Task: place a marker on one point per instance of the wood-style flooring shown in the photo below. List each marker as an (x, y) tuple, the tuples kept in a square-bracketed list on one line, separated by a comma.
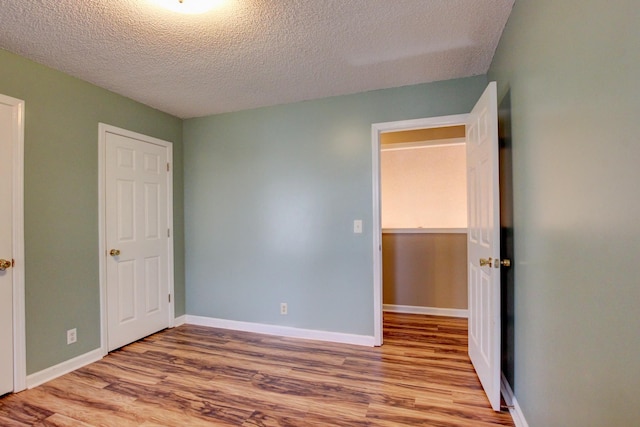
[(198, 376)]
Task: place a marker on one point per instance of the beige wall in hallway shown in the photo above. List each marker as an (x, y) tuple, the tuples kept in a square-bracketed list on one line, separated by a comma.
[(425, 269), (424, 187)]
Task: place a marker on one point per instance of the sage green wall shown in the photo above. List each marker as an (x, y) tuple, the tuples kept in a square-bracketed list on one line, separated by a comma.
[(270, 198), (61, 201), (573, 67)]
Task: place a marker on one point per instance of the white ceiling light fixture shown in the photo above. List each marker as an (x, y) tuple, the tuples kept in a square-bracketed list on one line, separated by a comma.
[(189, 7)]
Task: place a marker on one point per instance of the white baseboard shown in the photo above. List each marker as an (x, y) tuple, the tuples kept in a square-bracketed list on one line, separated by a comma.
[(65, 367), (433, 311), (181, 320), (284, 331), (510, 399)]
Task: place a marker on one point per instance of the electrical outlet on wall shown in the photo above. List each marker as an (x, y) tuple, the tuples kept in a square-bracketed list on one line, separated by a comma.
[(72, 336), (283, 308)]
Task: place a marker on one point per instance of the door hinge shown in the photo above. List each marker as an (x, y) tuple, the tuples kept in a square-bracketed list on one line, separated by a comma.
[(167, 167), (169, 298), (168, 232)]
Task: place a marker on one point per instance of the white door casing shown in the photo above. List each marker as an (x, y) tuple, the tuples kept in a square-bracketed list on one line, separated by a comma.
[(483, 242), (376, 130), (484, 314), (12, 338), (6, 249), (137, 205)]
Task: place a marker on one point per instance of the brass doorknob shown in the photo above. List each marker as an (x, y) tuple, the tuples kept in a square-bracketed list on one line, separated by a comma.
[(4, 264), (502, 263), (484, 262), (114, 252)]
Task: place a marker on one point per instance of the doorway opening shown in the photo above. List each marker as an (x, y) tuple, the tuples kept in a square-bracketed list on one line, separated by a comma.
[(424, 221), (398, 139), (483, 235)]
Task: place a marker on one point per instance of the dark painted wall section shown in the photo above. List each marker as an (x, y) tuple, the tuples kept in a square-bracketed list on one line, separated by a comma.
[(507, 248)]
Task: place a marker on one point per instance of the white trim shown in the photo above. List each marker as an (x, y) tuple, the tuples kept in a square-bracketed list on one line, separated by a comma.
[(18, 271), (283, 331), (103, 129), (435, 143), (512, 403), (376, 130), (65, 367), (179, 321), (424, 231), (170, 259), (102, 268), (433, 311), (425, 123), (19, 316), (377, 236)]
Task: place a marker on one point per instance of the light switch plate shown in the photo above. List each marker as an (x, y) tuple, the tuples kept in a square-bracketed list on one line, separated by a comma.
[(357, 226)]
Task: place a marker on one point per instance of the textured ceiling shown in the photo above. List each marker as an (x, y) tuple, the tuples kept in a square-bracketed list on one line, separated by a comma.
[(253, 53)]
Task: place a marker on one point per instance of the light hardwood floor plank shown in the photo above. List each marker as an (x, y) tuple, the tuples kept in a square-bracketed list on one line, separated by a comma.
[(199, 376)]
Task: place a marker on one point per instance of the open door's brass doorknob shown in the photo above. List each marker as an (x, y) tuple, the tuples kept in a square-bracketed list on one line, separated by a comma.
[(495, 262), (487, 262), (504, 262), (114, 252), (4, 264)]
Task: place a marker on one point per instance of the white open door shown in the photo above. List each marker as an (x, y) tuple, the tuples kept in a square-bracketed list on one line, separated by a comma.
[(483, 244), (6, 247), (137, 236), (12, 348)]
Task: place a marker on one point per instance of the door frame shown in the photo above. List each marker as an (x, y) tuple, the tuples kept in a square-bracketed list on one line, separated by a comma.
[(376, 130), (19, 321), (103, 130)]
